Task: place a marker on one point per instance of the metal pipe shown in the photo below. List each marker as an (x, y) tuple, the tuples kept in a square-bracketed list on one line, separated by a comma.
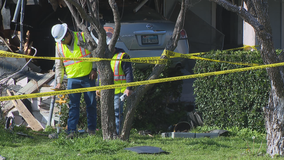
[(17, 10), (21, 26), (52, 103), (58, 127)]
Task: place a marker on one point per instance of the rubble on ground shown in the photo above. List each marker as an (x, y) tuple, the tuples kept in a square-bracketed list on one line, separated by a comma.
[(20, 76)]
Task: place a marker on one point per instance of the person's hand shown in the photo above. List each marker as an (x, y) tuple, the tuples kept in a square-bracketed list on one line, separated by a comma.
[(128, 92), (58, 86), (98, 93), (93, 75)]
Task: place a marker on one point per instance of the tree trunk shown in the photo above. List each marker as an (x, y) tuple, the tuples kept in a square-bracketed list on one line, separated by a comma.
[(274, 112), (274, 124), (257, 16), (106, 100), (99, 50)]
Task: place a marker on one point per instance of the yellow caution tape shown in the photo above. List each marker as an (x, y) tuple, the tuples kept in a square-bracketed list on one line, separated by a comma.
[(34, 95), (172, 54), (138, 60), (149, 60), (201, 53), (213, 60)]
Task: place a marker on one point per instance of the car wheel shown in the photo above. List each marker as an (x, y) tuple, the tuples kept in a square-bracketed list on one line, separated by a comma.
[(191, 118), (199, 119)]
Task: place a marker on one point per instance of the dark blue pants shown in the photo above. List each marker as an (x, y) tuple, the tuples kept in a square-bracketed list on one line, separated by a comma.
[(90, 99)]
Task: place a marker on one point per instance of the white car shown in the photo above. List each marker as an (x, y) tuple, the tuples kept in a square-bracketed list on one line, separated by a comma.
[(144, 33)]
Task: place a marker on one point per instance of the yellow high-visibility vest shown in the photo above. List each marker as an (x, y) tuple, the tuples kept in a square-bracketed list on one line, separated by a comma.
[(75, 69), (118, 74)]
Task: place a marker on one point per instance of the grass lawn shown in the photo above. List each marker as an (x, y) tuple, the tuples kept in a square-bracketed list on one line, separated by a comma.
[(239, 144)]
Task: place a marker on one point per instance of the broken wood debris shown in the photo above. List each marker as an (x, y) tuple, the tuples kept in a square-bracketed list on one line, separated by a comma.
[(26, 114), (31, 87), (35, 113)]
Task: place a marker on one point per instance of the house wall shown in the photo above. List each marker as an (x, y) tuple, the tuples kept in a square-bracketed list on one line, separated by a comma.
[(202, 8), (282, 24), (276, 19), (244, 33), (248, 34), (217, 17), (275, 8)]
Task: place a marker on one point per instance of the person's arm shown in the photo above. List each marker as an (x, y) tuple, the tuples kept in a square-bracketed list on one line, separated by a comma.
[(127, 69), (59, 70)]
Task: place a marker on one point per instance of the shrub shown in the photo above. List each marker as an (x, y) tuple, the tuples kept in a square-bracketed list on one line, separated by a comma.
[(234, 99)]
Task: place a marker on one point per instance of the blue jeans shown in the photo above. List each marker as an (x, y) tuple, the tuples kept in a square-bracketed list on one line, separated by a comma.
[(74, 105), (118, 110)]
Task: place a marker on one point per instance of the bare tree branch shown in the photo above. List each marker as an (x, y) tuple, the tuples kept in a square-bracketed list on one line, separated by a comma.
[(90, 46), (262, 12), (117, 24)]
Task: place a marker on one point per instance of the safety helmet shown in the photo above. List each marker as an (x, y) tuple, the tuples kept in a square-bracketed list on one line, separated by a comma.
[(58, 31)]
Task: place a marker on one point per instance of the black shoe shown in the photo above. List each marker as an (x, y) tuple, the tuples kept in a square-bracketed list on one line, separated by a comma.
[(91, 132)]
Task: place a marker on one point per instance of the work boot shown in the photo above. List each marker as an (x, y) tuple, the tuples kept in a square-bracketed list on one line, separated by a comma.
[(71, 135), (91, 132)]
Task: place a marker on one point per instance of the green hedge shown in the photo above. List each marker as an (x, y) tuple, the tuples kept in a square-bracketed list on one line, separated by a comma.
[(234, 99)]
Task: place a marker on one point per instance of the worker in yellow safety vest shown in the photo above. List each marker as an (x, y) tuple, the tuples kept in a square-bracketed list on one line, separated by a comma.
[(80, 74), (122, 72)]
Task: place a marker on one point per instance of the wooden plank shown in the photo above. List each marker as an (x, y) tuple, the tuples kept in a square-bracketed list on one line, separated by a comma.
[(33, 86), (29, 88), (26, 114)]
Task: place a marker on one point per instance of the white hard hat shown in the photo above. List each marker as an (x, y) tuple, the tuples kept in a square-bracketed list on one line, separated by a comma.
[(58, 31)]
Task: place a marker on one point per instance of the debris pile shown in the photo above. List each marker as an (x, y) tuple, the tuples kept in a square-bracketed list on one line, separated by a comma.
[(23, 76), (34, 112)]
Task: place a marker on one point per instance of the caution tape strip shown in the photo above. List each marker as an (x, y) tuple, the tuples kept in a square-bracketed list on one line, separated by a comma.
[(172, 54), (137, 60), (213, 60), (148, 60), (34, 95)]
